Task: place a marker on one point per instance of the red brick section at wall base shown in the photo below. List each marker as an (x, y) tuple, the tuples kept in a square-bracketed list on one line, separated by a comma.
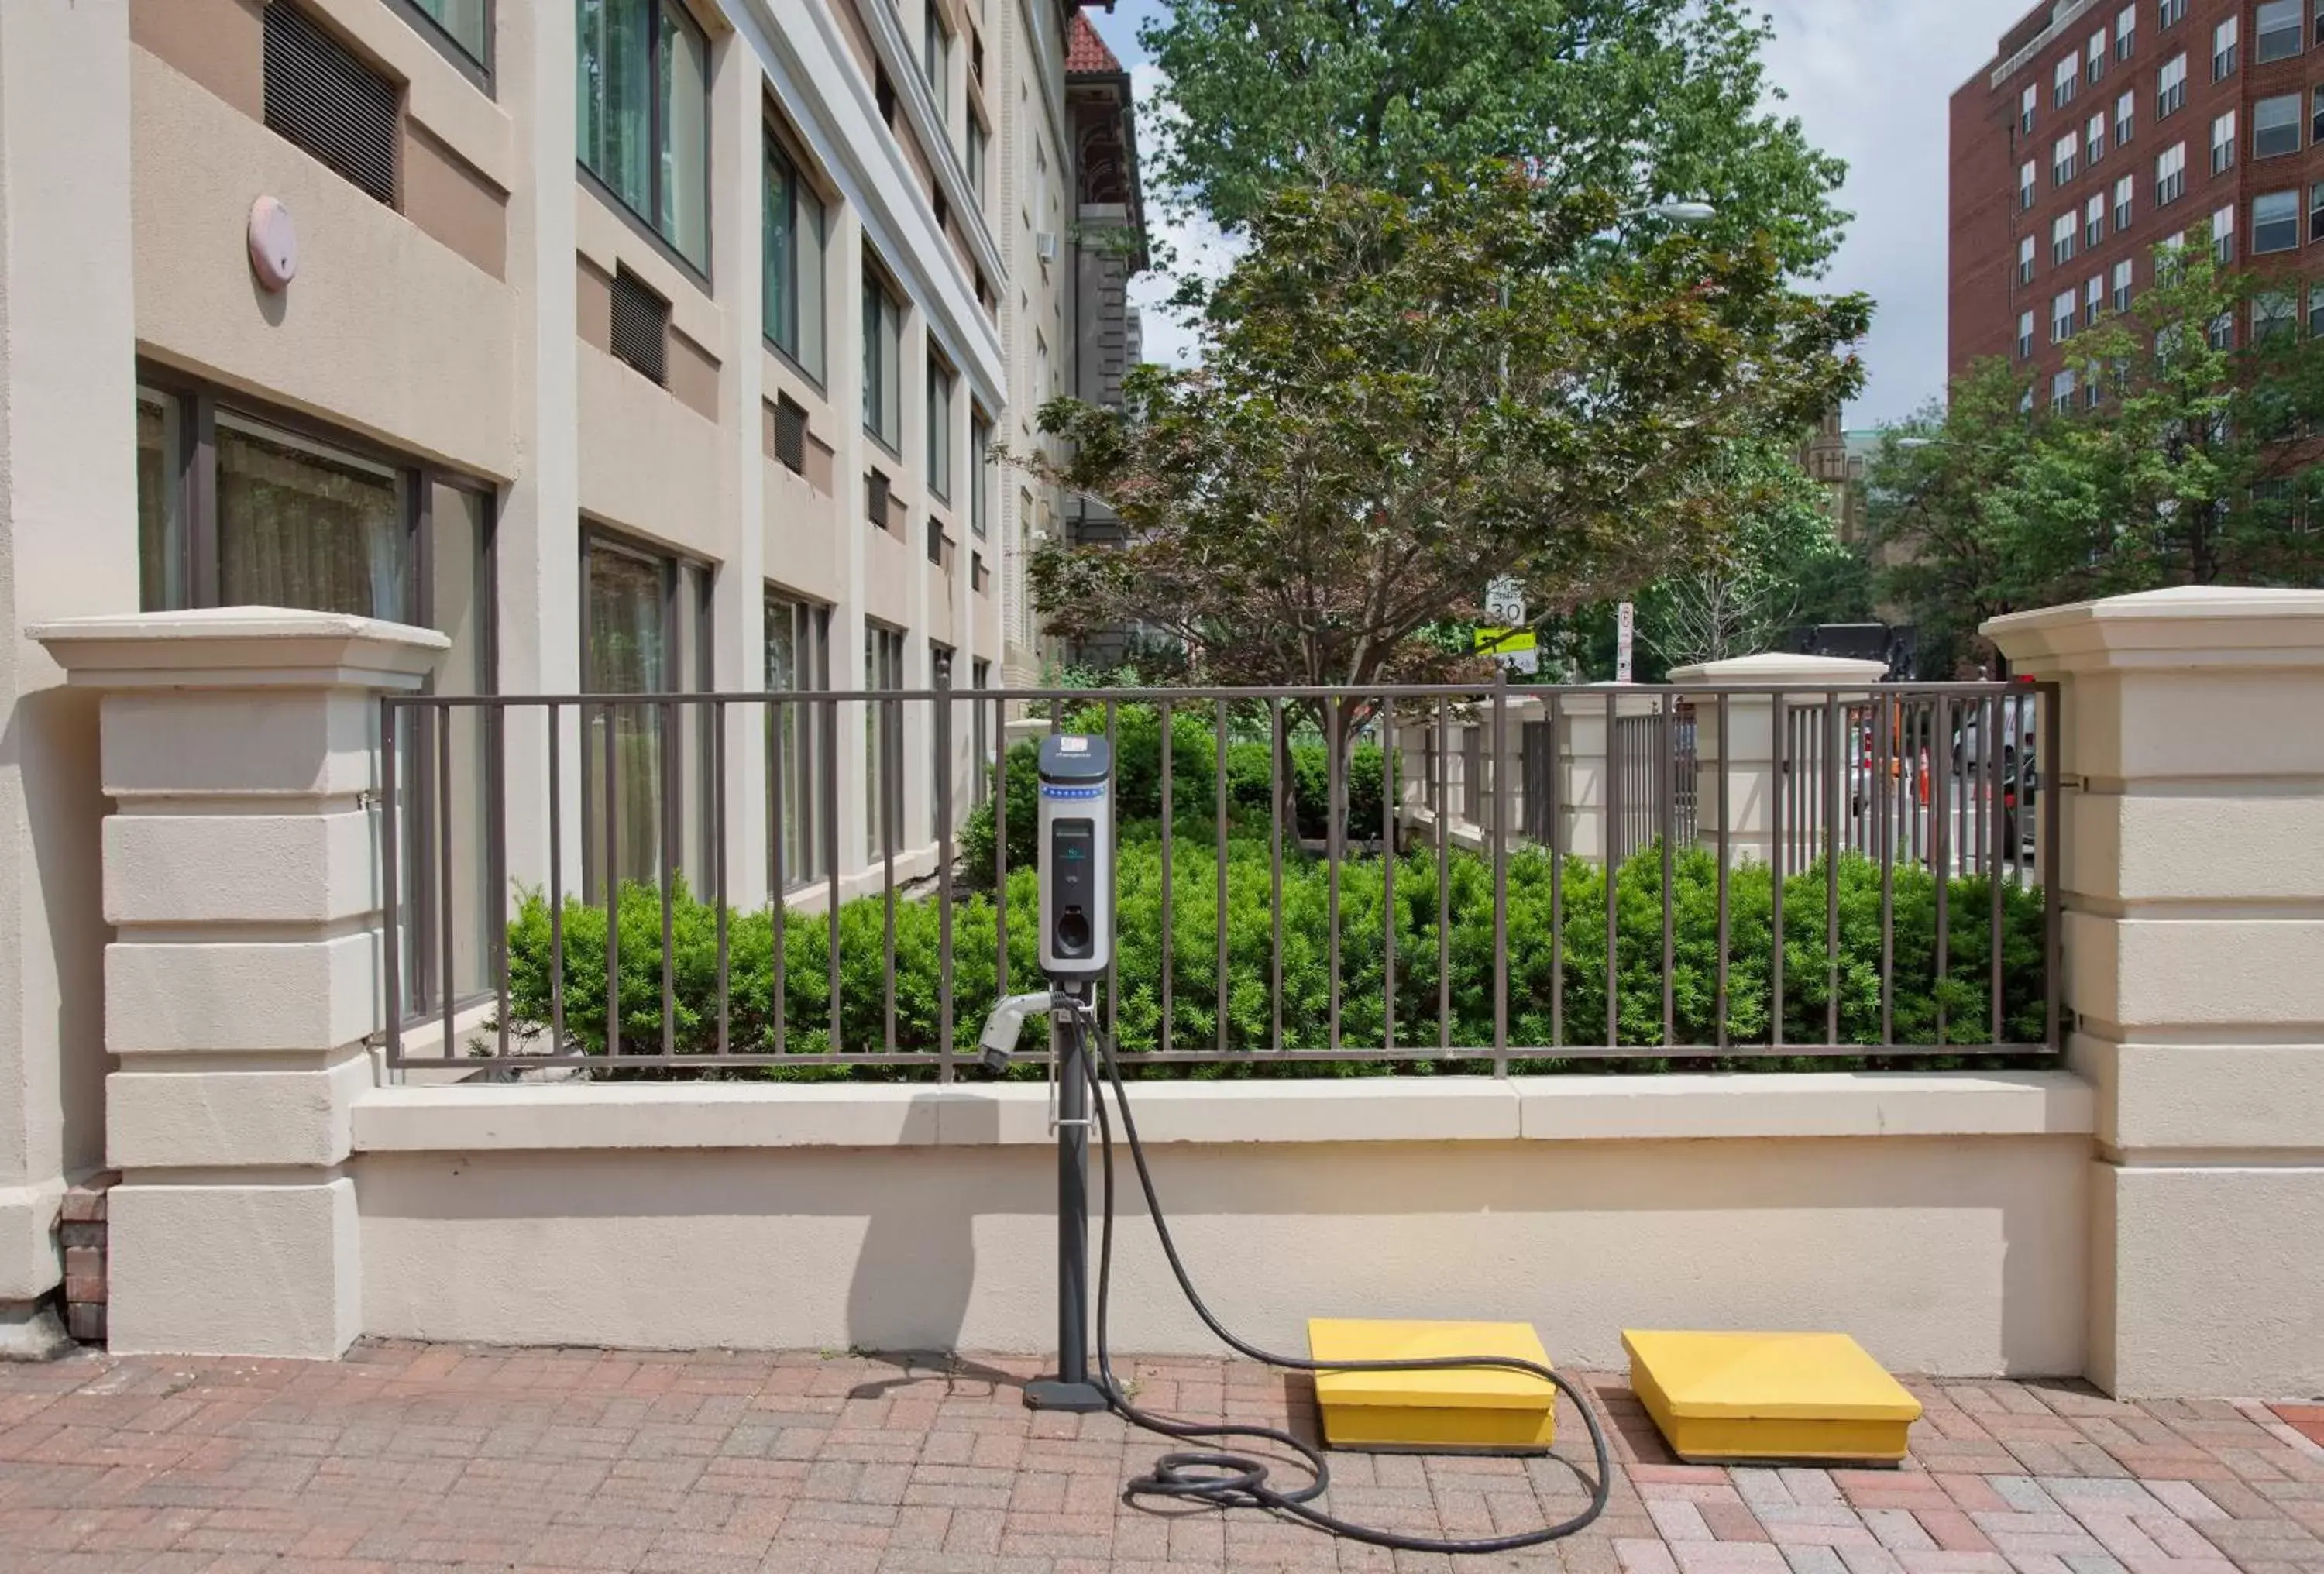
[(415, 1457), (81, 1232)]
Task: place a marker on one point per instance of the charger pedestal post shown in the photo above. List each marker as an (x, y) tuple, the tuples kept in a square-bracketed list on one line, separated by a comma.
[(1076, 841)]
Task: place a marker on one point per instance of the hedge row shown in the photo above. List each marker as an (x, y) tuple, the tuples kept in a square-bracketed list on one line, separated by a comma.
[(1193, 783), (1533, 973)]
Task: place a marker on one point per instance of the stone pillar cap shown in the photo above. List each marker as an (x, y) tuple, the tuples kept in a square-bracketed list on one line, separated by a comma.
[(240, 647), (2188, 625), (1784, 667)]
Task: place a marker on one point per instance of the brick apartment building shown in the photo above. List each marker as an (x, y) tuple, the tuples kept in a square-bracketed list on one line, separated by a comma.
[(2103, 128)]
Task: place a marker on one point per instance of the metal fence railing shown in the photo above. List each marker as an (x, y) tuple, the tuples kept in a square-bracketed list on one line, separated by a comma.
[(735, 883)]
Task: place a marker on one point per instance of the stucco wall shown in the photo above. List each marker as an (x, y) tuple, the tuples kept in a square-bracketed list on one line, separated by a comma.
[(924, 1218)]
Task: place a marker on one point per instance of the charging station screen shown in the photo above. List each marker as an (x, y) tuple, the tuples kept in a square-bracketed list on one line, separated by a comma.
[(1072, 844)]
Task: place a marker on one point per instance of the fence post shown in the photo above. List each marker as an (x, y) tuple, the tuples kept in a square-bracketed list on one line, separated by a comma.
[(2191, 843), (243, 877), (1747, 753)]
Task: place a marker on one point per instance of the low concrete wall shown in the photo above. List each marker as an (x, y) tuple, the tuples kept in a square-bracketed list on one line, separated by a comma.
[(1941, 1219)]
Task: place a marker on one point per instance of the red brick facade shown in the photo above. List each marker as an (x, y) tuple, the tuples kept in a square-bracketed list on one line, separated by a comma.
[(1990, 221)]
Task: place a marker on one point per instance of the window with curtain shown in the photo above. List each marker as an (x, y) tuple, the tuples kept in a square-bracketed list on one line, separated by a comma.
[(883, 734), (883, 326), (645, 630), (466, 23), (793, 259), (940, 384), (798, 661), (270, 511), (642, 99)]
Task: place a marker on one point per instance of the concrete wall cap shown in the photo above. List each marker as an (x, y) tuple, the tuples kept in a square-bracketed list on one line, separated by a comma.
[(2187, 625), (1782, 667), (240, 647), (532, 1116)]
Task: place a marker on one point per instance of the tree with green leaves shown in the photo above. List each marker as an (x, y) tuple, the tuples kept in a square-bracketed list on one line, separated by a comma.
[(2176, 452), (1402, 398), (1660, 98)]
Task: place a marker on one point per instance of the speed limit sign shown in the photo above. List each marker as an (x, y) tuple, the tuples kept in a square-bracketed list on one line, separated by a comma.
[(1505, 602)]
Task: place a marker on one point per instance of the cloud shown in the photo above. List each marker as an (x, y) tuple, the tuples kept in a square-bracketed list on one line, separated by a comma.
[(1871, 80)]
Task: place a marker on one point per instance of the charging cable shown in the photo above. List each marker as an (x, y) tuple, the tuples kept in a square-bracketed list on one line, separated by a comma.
[(1233, 1480)]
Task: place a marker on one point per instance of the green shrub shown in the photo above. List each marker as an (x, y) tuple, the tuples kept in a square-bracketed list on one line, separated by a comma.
[(1555, 991), (1193, 783)]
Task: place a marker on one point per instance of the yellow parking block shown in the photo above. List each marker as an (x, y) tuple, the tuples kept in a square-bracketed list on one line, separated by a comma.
[(1454, 1410), (1722, 1398)]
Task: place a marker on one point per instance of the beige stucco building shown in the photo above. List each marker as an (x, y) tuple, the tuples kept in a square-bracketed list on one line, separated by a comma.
[(633, 345)]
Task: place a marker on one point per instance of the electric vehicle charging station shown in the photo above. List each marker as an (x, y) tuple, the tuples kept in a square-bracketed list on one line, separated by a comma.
[(1394, 1385)]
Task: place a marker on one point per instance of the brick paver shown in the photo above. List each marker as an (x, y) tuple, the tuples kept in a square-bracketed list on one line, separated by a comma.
[(415, 1457)]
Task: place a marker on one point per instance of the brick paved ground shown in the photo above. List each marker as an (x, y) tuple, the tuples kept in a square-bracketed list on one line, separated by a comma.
[(407, 1457)]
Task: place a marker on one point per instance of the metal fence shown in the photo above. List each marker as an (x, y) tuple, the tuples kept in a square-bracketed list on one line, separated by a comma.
[(1322, 902)]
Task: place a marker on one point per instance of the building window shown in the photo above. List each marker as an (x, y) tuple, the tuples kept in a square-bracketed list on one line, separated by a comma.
[(798, 661), (940, 386), (645, 629), (2061, 390), (2276, 30), (2275, 126), (2223, 143), (643, 97), (2170, 174), (2024, 336), (321, 97), (2222, 333), (977, 139), (2093, 301), (2062, 239), (2026, 101), (2125, 32), (2316, 311), (2275, 314), (979, 442), (2121, 297), (464, 24), (2094, 139), (2061, 317), (884, 737), (2223, 236), (2168, 13), (2171, 90), (2061, 161), (2224, 39), (241, 507), (2094, 223), (935, 60), (2123, 191), (2026, 257), (883, 323), (2094, 56), (2025, 185), (2171, 261), (2126, 117), (2275, 222), (793, 259), (2316, 213), (2062, 82)]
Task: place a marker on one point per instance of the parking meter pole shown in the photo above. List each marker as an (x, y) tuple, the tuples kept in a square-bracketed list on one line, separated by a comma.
[(1071, 1389)]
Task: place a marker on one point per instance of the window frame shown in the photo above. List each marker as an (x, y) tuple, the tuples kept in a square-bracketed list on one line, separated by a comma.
[(2126, 116), (2223, 141), (2295, 124), (2065, 230), (2285, 323), (2065, 80), (674, 567), (2121, 281), (2126, 193), (2065, 160), (2028, 249), (889, 395), (2125, 32), (2025, 334), (2170, 95), (2170, 188), (194, 467), (817, 814), (2094, 220), (779, 150), (644, 225), (479, 70), (2094, 139), (940, 460), (2227, 45), (2261, 33), (2292, 195), (2062, 323), (2028, 180)]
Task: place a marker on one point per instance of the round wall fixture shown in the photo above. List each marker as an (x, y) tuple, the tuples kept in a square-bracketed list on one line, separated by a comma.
[(274, 243)]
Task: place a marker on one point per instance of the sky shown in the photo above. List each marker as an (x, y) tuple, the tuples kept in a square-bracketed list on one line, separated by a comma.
[(1869, 81)]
